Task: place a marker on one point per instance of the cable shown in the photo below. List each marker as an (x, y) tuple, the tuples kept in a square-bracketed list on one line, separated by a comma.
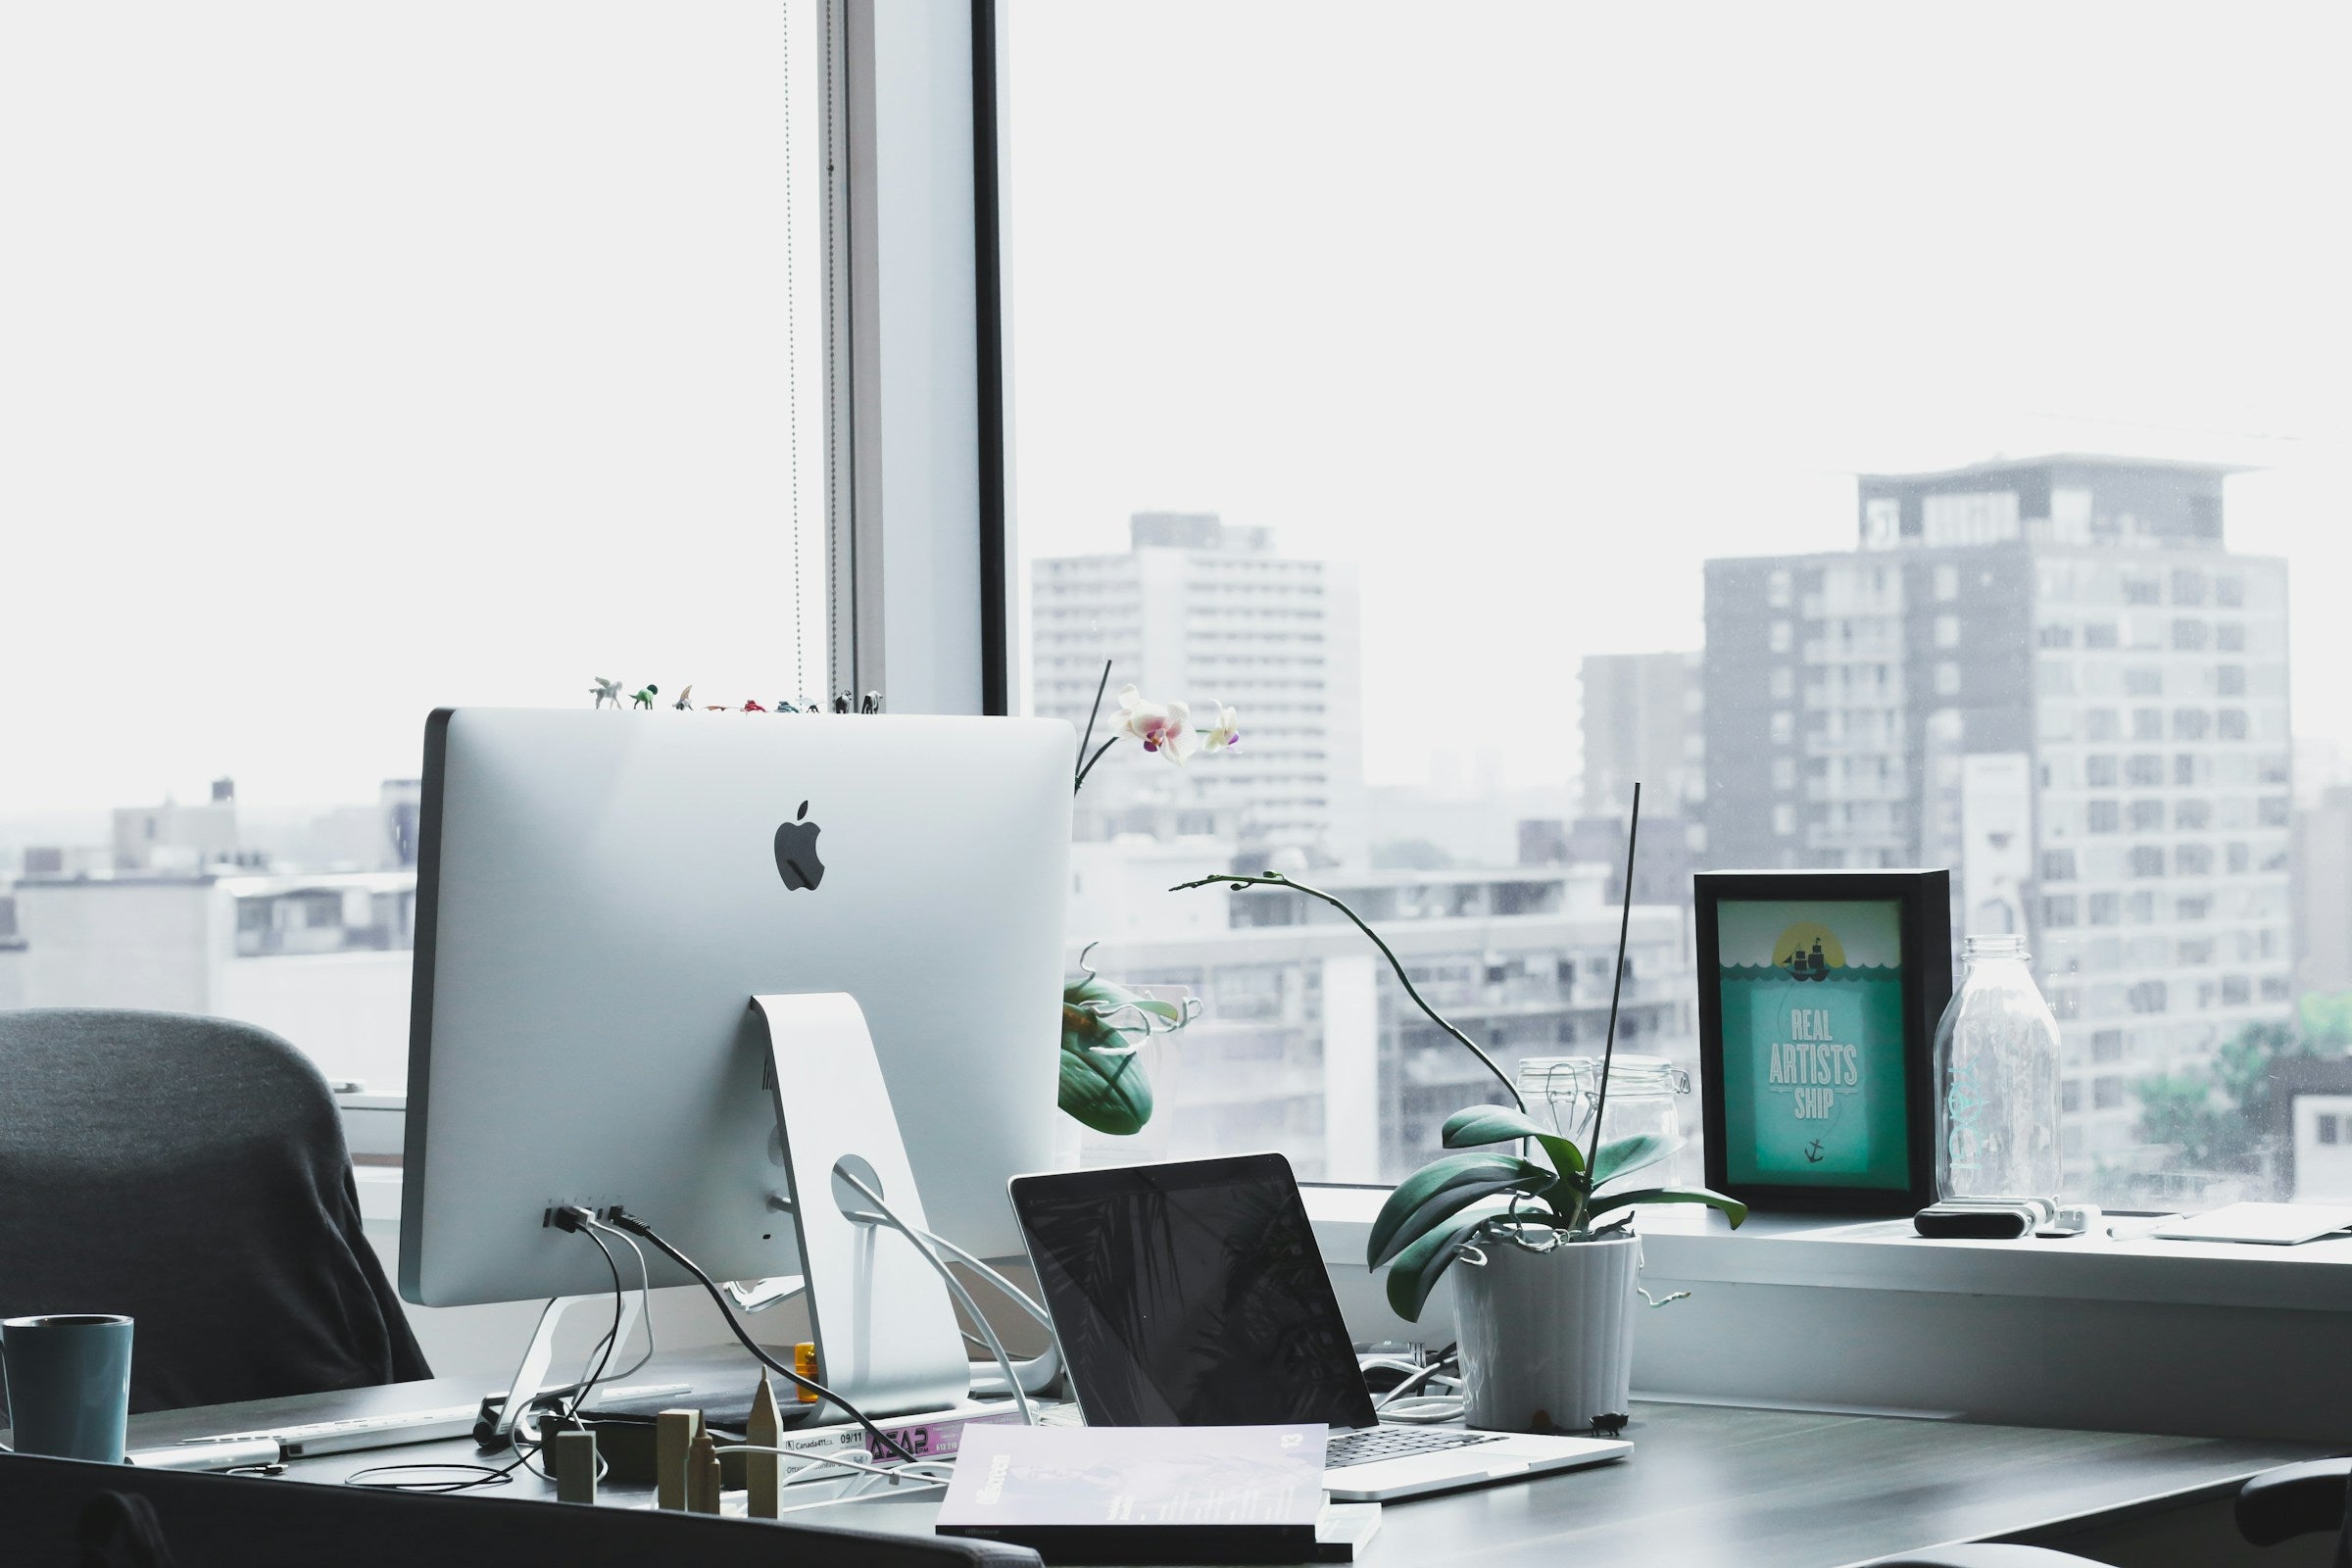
[(1021, 1396), (1014, 1292), (482, 1475), (637, 1226), (645, 1302)]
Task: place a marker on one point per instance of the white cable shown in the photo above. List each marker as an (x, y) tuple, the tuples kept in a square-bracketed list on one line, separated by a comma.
[(809, 1461), (995, 1345), (1012, 1291), (645, 1298)]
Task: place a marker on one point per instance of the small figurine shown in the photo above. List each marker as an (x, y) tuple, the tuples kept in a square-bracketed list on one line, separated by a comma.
[(604, 691), (750, 707), (840, 702), (871, 703), (685, 702), (644, 699), (783, 706)]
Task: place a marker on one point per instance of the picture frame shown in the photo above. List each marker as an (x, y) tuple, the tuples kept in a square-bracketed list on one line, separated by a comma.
[(1817, 1063)]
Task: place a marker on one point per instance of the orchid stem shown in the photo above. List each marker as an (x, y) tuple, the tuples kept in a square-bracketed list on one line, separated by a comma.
[(1608, 1051), (1088, 739), (1092, 760), (1237, 880)]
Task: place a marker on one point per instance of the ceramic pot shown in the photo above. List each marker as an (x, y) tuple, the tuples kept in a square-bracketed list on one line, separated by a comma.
[(1546, 1337)]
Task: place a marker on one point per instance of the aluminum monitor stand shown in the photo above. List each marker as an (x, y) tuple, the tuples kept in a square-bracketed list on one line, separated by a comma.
[(884, 1329)]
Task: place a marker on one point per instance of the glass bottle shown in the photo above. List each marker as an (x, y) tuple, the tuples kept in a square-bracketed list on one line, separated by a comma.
[(1997, 1079), (1645, 1097)]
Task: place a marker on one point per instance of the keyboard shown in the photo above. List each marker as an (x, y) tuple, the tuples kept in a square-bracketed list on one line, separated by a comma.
[(400, 1426), (1396, 1442)]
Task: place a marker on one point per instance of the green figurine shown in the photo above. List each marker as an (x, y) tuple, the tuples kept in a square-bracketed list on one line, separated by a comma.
[(644, 699)]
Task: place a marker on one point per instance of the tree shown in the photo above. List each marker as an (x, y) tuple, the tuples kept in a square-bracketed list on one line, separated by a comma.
[(2221, 1118)]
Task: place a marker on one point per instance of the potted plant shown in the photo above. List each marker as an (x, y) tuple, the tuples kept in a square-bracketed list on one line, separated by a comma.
[(1542, 1227)]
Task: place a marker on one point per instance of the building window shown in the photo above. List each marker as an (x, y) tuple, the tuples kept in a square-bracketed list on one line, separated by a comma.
[(2229, 591), (1781, 637), (2147, 861), (1948, 631), (2324, 1124), (2148, 723), (1777, 588), (1784, 820), (1947, 584), (2058, 909), (2107, 1093), (2106, 1045), (2103, 816), (2057, 865), (2189, 636), (2101, 724), (2103, 910), (2098, 770), (2231, 724), (1947, 678)]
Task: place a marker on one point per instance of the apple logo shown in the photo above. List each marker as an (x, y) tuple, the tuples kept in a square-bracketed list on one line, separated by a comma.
[(796, 852)]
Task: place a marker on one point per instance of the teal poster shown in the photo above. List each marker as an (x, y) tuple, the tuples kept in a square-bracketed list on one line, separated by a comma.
[(1813, 1042)]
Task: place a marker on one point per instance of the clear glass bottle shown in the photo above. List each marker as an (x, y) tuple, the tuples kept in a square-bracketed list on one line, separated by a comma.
[(1645, 1097), (1997, 1079)]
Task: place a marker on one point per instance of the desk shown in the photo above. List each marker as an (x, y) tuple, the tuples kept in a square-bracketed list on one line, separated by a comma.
[(1706, 1484)]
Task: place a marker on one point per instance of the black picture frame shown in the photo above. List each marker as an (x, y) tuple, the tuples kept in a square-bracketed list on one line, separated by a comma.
[(1924, 920)]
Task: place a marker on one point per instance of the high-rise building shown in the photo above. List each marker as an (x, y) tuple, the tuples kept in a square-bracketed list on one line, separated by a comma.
[(1643, 722), (2323, 862), (2054, 677), (1202, 611)]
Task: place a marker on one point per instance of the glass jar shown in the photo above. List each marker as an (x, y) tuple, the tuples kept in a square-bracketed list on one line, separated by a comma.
[(1645, 1097), (1997, 1079)]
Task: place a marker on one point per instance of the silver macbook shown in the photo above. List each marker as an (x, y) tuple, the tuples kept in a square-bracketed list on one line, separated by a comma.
[(1191, 1293)]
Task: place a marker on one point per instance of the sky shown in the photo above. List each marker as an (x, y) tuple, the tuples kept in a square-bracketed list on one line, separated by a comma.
[(364, 359), (1530, 309), (361, 359)]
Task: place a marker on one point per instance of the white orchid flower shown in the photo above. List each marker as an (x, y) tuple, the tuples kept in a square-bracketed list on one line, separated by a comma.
[(1227, 730), (1163, 727)]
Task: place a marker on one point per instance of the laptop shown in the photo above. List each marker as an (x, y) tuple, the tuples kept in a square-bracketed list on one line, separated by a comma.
[(1192, 1293)]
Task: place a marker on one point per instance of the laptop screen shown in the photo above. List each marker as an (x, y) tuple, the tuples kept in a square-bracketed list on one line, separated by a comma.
[(1191, 1295)]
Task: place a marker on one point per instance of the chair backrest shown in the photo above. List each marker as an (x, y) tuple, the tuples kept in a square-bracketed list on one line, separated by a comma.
[(190, 1172), (61, 1513)]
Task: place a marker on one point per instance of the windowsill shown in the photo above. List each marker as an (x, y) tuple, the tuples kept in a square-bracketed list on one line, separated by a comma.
[(1688, 1244)]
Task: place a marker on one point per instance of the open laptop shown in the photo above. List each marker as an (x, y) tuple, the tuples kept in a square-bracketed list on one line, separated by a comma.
[(1192, 1293)]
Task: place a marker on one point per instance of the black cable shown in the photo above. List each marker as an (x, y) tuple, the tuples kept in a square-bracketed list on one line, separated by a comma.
[(637, 1226), (484, 1475)]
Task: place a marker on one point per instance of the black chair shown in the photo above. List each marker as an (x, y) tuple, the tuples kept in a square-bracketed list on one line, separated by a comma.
[(2277, 1505), (64, 1513), (190, 1172)]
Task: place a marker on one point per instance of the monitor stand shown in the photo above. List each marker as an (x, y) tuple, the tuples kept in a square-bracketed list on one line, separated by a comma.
[(884, 1329)]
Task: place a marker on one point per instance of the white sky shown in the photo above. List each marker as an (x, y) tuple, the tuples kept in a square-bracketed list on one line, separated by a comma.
[(354, 359), (1530, 308)]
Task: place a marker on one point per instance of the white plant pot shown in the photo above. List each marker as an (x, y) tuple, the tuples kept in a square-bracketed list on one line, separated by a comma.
[(1547, 1337)]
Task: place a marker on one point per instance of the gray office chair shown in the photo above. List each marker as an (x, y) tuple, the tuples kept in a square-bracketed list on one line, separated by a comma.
[(2277, 1505), (191, 1173)]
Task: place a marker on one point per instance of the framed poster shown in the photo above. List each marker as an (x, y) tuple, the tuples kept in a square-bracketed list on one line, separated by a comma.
[(1818, 997)]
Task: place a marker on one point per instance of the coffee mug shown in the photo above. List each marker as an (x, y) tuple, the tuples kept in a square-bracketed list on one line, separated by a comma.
[(68, 1384)]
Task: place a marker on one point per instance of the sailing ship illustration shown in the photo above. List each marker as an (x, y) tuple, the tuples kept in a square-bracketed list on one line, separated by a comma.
[(1803, 966)]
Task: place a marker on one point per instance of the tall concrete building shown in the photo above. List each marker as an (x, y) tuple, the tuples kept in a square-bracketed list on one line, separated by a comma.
[(2323, 862), (1643, 722), (2053, 676), (1198, 610)]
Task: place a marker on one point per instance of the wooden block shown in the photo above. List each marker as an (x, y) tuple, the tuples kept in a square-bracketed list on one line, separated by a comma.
[(762, 1472), (575, 1466), (701, 1475), (674, 1432)]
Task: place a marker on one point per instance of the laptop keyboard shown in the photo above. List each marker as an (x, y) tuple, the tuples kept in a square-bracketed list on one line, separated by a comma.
[(1395, 1442)]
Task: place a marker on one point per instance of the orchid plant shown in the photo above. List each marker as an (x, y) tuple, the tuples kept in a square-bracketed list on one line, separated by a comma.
[(1483, 1197), (1105, 1026)]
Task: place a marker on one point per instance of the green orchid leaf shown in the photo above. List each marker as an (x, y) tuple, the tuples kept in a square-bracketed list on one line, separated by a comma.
[(1116, 1003), (1443, 1187), (1474, 1125), (1106, 1091), (1731, 1208), (1630, 1153), (1418, 1268)]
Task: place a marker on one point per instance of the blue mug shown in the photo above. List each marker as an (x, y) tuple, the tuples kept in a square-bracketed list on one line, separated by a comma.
[(68, 1384)]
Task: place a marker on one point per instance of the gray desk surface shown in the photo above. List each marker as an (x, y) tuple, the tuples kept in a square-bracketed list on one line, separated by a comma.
[(1705, 1484)]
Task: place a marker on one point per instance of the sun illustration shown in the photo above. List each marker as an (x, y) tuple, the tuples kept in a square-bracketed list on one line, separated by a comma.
[(1798, 942)]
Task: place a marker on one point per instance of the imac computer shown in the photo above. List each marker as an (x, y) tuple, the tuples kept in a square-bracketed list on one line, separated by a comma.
[(601, 894)]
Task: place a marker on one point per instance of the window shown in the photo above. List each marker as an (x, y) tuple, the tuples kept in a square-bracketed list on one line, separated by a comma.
[(1198, 395), (361, 360)]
